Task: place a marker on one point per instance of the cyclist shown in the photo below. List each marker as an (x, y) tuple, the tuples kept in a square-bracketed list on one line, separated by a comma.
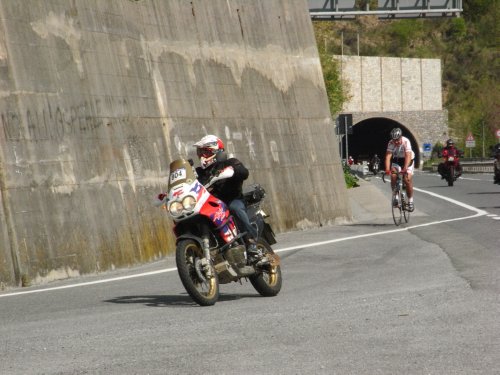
[(399, 159)]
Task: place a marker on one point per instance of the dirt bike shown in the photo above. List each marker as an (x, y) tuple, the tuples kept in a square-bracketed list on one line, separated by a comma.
[(210, 249), (450, 168)]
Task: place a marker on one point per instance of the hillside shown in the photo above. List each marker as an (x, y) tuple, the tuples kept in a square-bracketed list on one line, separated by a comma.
[(467, 47)]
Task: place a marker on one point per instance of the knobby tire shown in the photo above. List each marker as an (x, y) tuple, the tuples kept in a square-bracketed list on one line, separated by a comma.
[(268, 280), (204, 292)]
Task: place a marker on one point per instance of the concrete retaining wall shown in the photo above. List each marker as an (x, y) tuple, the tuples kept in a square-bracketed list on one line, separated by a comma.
[(98, 96)]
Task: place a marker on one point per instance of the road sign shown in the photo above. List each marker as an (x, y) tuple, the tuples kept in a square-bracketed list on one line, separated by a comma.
[(469, 141), (427, 147), (344, 123)]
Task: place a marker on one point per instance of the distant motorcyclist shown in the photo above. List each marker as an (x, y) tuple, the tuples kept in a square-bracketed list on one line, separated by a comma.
[(214, 163), (496, 164), (375, 164), (450, 150)]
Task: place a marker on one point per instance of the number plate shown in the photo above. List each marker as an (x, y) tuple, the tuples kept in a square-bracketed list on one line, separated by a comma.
[(178, 174)]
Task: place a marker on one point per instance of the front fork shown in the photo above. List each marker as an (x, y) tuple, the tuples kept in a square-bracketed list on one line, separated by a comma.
[(206, 261)]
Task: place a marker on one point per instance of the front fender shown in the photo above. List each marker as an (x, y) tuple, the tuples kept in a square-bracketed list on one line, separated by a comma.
[(189, 236)]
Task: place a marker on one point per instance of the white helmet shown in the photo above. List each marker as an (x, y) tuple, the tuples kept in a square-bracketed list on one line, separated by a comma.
[(207, 149), (396, 133)]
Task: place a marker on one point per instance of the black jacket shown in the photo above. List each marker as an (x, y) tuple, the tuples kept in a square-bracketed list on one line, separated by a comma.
[(229, 188)]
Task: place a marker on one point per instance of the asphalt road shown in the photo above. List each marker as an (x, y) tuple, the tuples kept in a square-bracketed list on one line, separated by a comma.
[(361, 298)]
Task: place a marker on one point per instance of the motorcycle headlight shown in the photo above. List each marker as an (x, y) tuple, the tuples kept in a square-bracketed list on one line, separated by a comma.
[(451, 158), (175, 208), (189, 203)]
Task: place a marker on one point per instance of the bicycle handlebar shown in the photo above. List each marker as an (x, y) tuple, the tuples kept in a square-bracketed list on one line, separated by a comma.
[(383, 174)]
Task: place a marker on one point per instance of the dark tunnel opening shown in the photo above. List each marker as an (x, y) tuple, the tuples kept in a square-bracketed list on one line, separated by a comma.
[(370, 137)]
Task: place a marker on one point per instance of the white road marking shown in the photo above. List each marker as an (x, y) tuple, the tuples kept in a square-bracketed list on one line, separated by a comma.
[(471, 179), (89, 283), (477, 211)]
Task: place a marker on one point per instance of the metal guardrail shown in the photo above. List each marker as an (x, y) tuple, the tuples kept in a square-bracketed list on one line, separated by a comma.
[(467, 167), (348, 9), (473, 166)]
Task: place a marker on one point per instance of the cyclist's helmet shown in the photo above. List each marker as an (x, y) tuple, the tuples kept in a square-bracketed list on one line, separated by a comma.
[(396, 133), (450, 142), (207, 149)]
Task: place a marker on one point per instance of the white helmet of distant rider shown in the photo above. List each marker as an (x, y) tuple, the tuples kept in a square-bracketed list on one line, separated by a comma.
[(396, 133), (207, 149)]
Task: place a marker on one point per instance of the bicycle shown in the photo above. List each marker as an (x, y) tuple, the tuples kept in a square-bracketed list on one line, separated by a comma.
[(399, 210)]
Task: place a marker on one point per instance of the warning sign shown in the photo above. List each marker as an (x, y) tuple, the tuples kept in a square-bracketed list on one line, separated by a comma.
[(470, 141)]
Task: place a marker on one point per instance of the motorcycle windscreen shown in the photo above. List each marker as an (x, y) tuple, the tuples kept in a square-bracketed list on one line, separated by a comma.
[(180, 172)]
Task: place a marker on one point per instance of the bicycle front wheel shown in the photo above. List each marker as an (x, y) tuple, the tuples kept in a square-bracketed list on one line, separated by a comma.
[(397, 210)]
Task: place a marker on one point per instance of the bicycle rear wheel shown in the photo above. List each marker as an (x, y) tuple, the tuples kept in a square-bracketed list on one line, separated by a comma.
[(406, 213), (397, 211)]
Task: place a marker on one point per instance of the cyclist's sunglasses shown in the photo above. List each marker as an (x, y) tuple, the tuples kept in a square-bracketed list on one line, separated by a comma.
[(204, 152)]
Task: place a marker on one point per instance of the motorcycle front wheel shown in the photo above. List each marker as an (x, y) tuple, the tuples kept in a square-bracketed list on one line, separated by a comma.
[(268, 280), (203, 289), (451, 176)]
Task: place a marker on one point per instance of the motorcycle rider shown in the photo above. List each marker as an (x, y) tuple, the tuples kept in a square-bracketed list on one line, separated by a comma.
[(375, 164), (450, 150), (496, 164), (213, 161), (399, 150)]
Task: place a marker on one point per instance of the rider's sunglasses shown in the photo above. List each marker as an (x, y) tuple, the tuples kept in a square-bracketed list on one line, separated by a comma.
[(204, 152)]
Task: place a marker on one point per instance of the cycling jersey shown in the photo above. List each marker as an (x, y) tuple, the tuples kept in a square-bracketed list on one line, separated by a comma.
[(399, 151)]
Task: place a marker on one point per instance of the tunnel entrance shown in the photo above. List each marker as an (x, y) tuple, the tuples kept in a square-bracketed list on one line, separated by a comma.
[(370, 137)]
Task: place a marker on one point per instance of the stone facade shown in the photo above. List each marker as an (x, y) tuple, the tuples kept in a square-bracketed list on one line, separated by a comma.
[(405, 90)]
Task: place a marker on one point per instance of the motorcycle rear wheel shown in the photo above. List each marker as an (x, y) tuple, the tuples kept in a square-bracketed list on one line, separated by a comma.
[(202, 289), (268, 279)]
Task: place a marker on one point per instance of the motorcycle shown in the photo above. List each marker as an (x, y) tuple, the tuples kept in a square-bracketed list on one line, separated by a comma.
[(496, 169), (375, 167), (450, 168), (210, 249)]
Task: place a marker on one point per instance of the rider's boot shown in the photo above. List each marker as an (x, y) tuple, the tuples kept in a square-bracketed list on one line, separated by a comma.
[(255, 255)]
